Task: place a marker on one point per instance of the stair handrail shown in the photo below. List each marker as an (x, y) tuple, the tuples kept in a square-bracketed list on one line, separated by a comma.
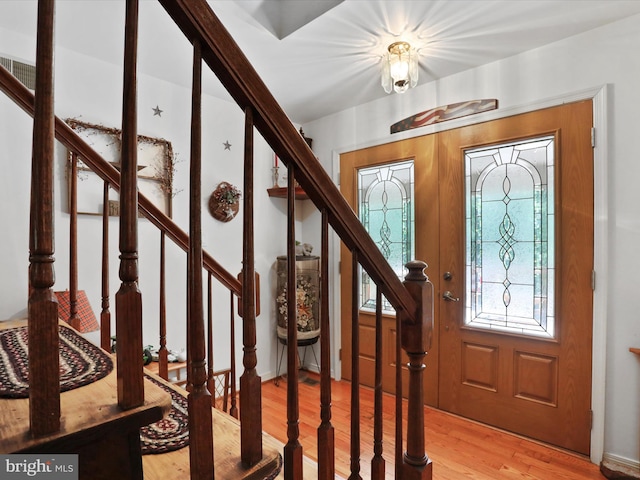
[(225, 58), (107, 172)]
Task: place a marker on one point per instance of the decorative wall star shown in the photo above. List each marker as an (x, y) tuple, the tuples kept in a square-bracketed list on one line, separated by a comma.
[(227, 145), (157, 111)]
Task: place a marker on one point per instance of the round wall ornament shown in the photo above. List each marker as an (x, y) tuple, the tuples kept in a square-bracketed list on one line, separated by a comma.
[(224, 202)]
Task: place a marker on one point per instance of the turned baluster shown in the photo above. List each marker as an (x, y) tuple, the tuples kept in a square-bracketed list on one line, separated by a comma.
[(73, 319), (105, 314), (355, 370), (163, 353), (377, 462), (199, 399), (250, 383), (293, 448), (326, 433), (128, 297), (44, 370), (233, 410)]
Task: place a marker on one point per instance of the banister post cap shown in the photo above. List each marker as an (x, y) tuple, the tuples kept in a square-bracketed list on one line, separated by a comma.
[(416, 271)]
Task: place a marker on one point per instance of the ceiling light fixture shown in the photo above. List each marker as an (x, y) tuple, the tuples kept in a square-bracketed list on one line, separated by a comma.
[(399, 68)]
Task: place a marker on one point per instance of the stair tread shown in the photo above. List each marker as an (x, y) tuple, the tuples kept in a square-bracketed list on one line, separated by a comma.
[(226, 430), (81, 410)]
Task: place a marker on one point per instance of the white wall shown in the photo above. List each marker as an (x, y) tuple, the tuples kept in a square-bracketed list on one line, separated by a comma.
[(90, 91), (608, 55)]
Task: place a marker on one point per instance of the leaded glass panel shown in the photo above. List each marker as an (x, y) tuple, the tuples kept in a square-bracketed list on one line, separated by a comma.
[(386, 209), (509, 198)]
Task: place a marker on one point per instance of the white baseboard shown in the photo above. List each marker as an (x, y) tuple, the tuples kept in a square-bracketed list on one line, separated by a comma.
[(622, 465)]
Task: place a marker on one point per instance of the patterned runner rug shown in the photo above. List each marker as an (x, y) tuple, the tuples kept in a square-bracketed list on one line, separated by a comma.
[(81, 362), (170, 433)]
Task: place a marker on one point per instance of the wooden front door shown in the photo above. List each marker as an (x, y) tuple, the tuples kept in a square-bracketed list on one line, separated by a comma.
[(422, 152), (516, 238), (533, 379)]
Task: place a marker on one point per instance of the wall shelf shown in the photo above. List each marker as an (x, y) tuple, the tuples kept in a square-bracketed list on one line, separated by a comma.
[(281, 192)]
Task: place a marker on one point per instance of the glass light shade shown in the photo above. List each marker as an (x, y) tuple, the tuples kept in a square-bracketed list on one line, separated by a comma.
[(400, 68)]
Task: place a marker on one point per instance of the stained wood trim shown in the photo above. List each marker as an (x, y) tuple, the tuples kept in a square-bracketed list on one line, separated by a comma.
[(105, 314)]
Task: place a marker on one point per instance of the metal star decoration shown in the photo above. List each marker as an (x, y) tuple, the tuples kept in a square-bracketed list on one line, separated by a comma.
[(157, 111), (227, 145)]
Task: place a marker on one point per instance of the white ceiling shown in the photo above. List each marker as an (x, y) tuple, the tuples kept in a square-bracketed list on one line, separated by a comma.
[(322, 56)]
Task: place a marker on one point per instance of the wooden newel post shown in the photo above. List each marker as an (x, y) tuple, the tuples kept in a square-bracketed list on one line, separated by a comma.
[(417, 331)]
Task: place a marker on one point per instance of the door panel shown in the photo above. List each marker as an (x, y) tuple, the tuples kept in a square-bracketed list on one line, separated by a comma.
[(533, 386), (423, 151)]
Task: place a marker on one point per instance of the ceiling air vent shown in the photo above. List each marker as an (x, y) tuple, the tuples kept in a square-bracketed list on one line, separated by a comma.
[(22, 71)]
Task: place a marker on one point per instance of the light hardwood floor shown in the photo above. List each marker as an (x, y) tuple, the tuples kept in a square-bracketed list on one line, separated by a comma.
[(459, 449)]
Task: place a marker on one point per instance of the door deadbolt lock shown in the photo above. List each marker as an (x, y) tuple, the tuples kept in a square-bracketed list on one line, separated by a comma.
[(447, 276)]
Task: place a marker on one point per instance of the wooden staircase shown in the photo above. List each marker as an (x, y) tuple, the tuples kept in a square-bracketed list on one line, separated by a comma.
[(44, 418)]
